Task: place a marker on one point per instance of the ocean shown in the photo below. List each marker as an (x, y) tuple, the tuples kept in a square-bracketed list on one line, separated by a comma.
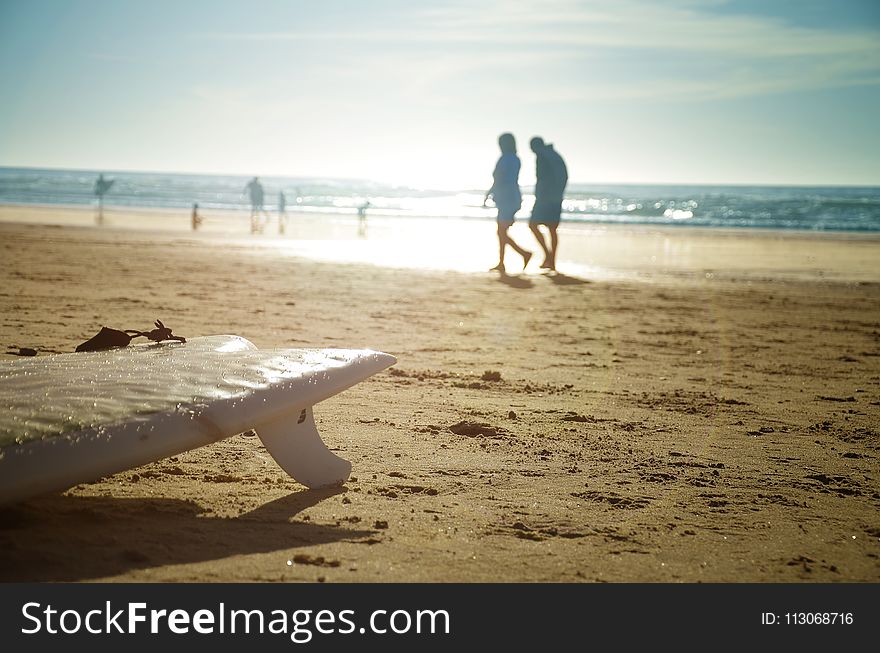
[(803, 208)]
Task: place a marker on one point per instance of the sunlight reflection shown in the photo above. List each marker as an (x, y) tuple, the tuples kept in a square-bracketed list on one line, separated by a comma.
[(466, 246)]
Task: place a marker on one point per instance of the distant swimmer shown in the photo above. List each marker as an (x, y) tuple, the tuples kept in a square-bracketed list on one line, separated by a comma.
[(101, 187)]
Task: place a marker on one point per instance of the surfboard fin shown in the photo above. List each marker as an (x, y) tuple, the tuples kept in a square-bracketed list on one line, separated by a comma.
[(295, 444)]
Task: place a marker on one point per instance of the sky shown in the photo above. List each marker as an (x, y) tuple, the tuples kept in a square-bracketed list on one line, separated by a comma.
[(416, 93)]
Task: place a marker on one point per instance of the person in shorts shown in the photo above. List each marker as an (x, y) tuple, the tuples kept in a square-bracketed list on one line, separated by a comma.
[(508, 200), (551, 176)]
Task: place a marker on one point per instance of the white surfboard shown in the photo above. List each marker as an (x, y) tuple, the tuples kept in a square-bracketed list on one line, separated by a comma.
[(73, 418)]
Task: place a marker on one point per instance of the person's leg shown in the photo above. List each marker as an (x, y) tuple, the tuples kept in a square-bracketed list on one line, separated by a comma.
[(526, 254), (503, 226), (554, 243), (540, 238)]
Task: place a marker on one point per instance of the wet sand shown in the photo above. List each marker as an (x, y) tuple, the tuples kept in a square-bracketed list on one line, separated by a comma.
[(704, 417)]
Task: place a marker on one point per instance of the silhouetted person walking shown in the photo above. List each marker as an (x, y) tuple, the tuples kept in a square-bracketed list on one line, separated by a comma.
[(507, 197), (362, 218), (552, 176), (196, 218), (255, 191), (101, 187), (282, 211)]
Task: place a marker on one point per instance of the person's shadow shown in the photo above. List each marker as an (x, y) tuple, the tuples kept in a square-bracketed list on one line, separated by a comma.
[(522, 283), (74, 538), (564, 280)]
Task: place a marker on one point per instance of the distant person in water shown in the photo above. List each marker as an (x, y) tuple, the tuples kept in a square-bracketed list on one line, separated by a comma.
[(101, 187), (508, 200), (362, 218), (282, 211), (254, 190), (196, 218), (551, 178)]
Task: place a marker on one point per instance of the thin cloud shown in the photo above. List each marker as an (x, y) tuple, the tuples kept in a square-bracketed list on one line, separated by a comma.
[(634, 25), (641, 25), (754, 54)]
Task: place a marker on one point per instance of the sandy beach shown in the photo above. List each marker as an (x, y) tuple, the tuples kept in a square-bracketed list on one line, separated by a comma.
[(674, 406)]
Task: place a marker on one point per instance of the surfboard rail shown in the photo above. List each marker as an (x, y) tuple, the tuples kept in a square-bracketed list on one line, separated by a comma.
[(75, 418)]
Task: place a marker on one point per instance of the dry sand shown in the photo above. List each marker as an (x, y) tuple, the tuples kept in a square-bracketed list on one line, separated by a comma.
[(708, 424)]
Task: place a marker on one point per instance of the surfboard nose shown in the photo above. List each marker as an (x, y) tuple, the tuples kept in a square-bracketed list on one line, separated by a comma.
[(385, 360)]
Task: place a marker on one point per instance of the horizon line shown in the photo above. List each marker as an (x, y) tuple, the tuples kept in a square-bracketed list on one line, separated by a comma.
[(365, 180)]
